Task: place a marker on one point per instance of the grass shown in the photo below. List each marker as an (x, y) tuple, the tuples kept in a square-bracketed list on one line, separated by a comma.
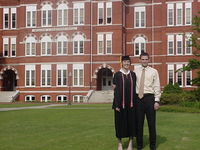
[(89, 127), (11, 105)]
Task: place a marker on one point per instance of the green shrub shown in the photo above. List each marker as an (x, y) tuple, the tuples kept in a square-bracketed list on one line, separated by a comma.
[(172, 88), (175, 98)]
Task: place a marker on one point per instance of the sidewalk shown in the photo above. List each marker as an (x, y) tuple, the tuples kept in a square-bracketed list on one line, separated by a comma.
[(31, 107)]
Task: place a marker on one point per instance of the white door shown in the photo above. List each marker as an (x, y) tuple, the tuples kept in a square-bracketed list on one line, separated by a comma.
[(106, 83)]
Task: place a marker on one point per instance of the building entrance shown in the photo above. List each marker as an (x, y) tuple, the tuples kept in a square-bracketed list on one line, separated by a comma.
[(9, 80), (104, 79)]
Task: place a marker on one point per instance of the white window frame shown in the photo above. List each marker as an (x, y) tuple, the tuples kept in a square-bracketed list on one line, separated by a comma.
[(63, 69), (47, 69), (63, 8), (188, 6), (46, 40), (188, 37), (190, 72), (13, 11), (179, 66), (46, 98), (78, 68), (5, 42), (100, 38), (33, 15), (48, 11), (13, 46), (30, 98), (108, 39), (32, 76), (5, 12), (32, 46), (140, 10), (63, 41), (79, 39), (170, 7), (170, 38), (140, 41), (179, 6), (62, 98), (80, 19), (100, 7), (170, 68), (108, 6), (179, 38), (78, 98)]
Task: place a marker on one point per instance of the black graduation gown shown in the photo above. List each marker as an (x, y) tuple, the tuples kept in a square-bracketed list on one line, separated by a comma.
[(125, 120)]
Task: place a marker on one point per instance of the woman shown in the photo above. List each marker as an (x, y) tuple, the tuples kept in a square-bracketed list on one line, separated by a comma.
[(124, 83)]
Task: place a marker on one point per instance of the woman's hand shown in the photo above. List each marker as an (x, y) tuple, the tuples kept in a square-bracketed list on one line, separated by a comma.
[(117, 109)]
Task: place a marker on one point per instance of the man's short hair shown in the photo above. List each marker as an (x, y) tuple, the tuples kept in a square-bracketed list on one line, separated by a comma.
[(144, 54)]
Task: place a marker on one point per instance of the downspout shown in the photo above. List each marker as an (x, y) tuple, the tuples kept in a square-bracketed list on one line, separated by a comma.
[(152, 33), (91, 31)]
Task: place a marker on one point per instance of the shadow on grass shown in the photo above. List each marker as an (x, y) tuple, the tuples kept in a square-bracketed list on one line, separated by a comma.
[(160, 140)]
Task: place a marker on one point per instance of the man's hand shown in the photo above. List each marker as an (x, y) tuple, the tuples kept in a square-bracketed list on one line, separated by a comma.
[(156, 106)]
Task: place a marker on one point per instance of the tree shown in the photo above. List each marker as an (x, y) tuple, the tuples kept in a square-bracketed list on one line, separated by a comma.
[(194, 63)]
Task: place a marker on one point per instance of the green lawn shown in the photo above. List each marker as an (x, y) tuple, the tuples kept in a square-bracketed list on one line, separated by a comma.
[(78, 128)]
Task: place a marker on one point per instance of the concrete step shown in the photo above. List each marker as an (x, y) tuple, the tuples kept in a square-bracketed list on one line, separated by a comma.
[(8, 96), (101, 97)]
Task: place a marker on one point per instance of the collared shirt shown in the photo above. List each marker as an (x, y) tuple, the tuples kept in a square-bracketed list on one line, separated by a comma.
[(126, 73), (151, 81)]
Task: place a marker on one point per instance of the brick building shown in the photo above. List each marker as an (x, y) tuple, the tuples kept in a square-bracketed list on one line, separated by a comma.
[(58, 50)]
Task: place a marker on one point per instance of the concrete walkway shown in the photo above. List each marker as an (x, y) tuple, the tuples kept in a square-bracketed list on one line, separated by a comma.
[(31, 107)]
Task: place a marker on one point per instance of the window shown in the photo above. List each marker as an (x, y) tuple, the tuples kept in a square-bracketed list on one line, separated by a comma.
[(13, 18), (78, 75), (100, 45), (78, 44), (170, 75), (30, 75), (179, 75), (170, 13), (179, 44), (29, 98), (188, 13), (188, 42), (13, 47), (45, 75), (108, 12), (78, 13), (139, 46), (61, 75), (78, 99), (5, 18), (5, 47), (31, 16), (45, 98), (46, 45), (108, 43), (62, 45), (170, 45), (140, 18), (100, 13), (61, 98), (62, 15), (46, 15), (179, 14), (30, 46), (188, 78)]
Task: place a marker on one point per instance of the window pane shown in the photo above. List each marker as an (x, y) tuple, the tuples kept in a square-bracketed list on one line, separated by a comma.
[(33, 18), (27, 77), (28, 18)]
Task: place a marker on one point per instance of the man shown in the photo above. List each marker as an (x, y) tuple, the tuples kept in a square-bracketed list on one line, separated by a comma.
[(148, 97)]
